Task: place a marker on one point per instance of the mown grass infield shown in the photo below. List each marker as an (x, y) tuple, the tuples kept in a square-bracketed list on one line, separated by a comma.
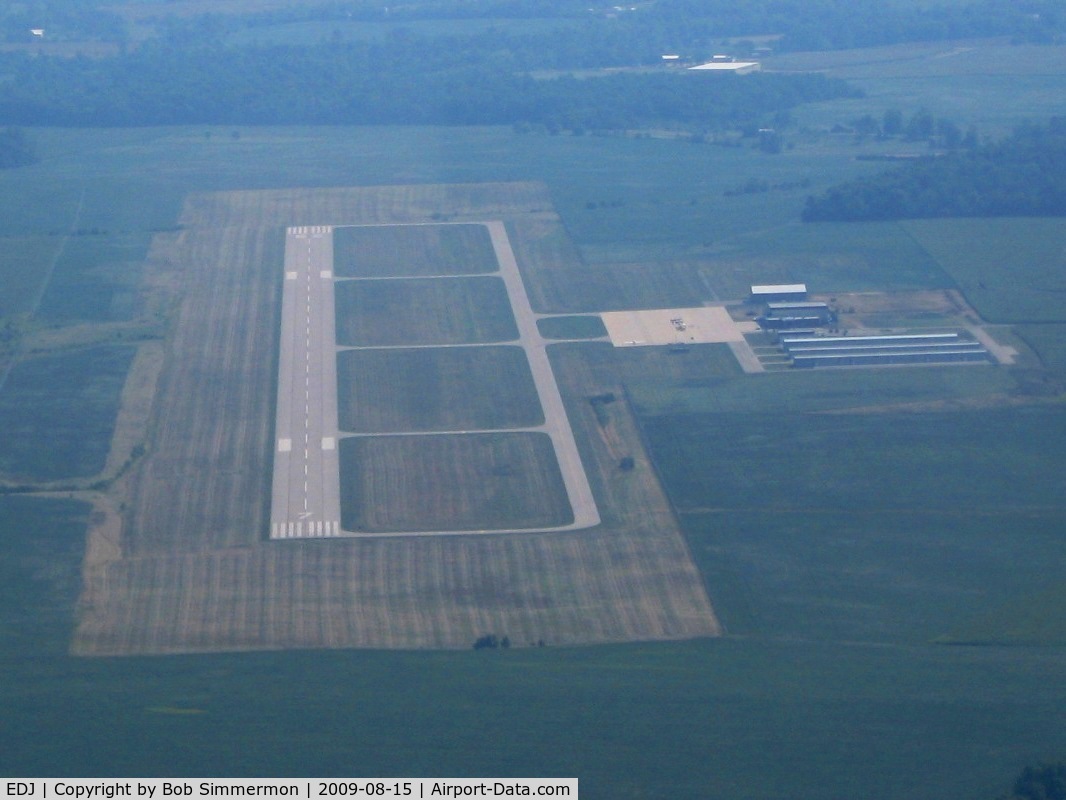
[(492, 481), (423, 311), (575, 327), (436, 389), (384, 251)]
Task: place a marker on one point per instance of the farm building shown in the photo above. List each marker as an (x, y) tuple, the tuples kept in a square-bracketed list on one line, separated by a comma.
[(851, 351), (779, 293)]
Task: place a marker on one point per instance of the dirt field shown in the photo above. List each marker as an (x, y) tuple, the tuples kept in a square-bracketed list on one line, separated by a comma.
[(888, 309), (192, 571)]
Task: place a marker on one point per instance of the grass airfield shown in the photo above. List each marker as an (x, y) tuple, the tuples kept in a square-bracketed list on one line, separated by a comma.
[(833, 679)]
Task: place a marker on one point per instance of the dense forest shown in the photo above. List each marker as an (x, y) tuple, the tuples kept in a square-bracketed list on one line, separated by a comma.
[(1022, 175), (393, 82)]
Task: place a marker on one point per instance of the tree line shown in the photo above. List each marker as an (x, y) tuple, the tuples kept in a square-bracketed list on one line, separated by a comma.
[(603, 36), (921, 126), (61, 20), (392, 82), (594, 34), (1022, 175)]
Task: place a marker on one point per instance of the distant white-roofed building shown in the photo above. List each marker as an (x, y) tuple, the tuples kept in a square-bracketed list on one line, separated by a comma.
[(727, 64)]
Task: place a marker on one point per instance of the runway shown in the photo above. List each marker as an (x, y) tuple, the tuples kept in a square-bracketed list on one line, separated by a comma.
[(305, 498)]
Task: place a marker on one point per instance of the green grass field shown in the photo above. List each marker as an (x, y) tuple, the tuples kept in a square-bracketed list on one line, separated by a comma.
[(890, 525), (95, 279), (706, 379), (991, 84), (751, 716), (1011, 270), (436, 389), (977, 461), (1029, 617), (423, 311), (485, 481), (23, 265), (881, 576), (315, 32), (828, 257), (571, 327), (59, 412), (41, 549), (1049, 341), (409, 250)]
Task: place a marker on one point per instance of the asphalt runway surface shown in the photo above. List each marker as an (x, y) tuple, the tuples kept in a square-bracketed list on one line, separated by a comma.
[(305, 500)]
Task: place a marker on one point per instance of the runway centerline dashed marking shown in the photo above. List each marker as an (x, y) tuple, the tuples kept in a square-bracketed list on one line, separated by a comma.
[(306, 484)]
